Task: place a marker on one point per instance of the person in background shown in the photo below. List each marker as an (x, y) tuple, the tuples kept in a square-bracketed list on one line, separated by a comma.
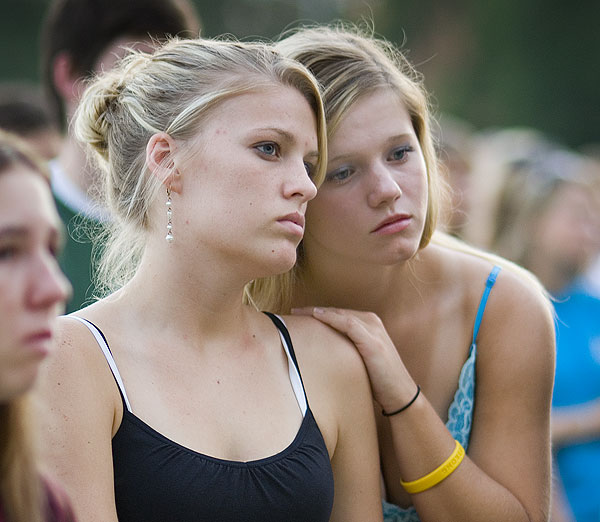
[(548, 221), (80, 38), (453, 142), (32, 291), (463, 384), (491, 149), (591, 276), (24, 111), (208, 148)]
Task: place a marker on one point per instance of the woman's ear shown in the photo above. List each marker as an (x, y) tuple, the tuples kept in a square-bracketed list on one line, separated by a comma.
[(160, 158)]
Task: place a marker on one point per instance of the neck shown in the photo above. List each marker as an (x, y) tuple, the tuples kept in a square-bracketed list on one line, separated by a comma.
[(376, 288), (170, 296)]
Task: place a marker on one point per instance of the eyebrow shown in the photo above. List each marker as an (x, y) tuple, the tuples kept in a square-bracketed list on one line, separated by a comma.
[(391, 139), (12, 232), (283, 133), (288, 136)]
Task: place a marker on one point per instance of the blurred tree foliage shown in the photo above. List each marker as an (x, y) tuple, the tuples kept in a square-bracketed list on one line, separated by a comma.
[(495, 63), (507, 62)]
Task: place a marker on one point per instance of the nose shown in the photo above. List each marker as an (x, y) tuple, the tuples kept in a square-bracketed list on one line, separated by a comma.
[(299, 184), (48, 285), (383, 187)]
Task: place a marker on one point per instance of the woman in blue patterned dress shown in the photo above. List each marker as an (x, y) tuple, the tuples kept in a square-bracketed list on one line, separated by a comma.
[(372, 265)]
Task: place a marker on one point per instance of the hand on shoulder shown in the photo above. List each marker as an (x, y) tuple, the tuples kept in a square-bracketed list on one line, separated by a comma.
[(388, 375), (324, 351)]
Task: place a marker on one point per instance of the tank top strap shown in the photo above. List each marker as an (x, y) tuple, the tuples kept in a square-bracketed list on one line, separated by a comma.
[(101, 340), (488, 287), (293, 368)]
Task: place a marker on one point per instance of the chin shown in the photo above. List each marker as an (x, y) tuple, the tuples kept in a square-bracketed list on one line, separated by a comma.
[(279, 264), (396, 256)]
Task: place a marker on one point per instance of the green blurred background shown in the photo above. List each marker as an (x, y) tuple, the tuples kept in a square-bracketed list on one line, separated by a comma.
[(496, 63)]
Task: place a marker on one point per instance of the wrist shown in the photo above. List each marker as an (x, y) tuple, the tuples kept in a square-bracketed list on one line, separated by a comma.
[(404, 405)]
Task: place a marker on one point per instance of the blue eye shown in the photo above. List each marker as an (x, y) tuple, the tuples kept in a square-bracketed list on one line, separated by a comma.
[(268, 148), (340, 175), (401, 153)]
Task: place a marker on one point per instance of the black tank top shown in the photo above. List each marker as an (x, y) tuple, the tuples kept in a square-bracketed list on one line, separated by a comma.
[(158, 480)]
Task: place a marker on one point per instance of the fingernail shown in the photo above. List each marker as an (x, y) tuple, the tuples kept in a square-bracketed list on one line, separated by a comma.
[(318, 311)]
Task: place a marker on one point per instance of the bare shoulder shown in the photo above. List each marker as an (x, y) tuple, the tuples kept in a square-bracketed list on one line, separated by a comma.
[(323, 348), (75, 348), (517, 329), (518, 325), (518, 318), (516, 291), (76, 376)]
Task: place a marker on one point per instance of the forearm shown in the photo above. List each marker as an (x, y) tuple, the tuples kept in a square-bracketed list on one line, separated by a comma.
[(472, 496), (422, 443), (575, 423)]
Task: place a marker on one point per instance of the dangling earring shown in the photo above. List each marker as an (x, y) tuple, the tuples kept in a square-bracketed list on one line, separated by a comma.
[(169, 237)]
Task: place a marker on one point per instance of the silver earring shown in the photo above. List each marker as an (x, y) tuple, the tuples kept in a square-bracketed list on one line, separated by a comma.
[(169, 237)]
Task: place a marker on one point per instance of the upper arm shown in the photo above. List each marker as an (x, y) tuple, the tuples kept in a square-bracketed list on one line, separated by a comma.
[(510, 439), (355, 462), (76, 403), (340, 397)]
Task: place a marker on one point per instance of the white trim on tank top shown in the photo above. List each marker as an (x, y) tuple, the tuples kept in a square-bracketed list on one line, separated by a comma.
[(292, 370)]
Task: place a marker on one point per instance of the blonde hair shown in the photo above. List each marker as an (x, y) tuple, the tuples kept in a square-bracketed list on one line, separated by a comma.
[(172, 90), (350, 63)]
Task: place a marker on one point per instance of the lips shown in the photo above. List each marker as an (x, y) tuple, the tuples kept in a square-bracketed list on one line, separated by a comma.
[(295, 217), (39, 341), (294, 222), (393, 223), (40, 335)]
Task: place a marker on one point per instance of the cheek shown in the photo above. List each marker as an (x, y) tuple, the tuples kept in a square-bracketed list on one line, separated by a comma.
[(14, 285), (324, 215), (8, 281), (423, 184)]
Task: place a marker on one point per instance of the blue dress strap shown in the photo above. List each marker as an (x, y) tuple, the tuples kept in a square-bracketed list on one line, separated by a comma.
[(488, 287), (460, 413)]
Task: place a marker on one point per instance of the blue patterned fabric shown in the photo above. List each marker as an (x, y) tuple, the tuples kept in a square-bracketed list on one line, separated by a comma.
[(460, 412)]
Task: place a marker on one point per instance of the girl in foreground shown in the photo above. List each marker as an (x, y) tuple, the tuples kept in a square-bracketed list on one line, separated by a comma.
[(205, 411), (465, 361), (32, 291)]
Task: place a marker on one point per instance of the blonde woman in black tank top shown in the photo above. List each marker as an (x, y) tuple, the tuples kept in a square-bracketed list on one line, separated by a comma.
[(174, 400)]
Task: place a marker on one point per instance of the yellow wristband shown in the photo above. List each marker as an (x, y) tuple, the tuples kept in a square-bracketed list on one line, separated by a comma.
[(438, 474)]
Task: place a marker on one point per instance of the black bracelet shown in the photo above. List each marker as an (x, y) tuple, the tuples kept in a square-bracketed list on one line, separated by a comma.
[(386, 414)]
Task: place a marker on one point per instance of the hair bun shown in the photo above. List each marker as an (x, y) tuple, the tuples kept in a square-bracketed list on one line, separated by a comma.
[(99, 108), (95, 113)]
